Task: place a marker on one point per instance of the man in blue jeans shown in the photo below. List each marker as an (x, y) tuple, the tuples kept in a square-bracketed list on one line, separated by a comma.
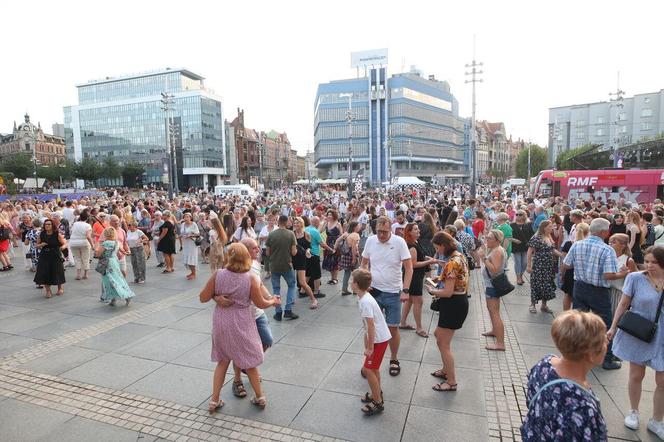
[(281, 246), (595, 264)]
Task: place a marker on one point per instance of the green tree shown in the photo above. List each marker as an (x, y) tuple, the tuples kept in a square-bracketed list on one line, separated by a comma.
[(131, 173), (538, 161), (20, 165), (111, 169), (55, 172), (88, 170), (565, 160)]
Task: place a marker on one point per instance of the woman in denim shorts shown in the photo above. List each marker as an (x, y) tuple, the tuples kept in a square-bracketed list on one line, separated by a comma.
[(495, 263)]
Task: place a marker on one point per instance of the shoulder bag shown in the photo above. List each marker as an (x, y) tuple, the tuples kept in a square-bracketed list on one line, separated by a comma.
[(638, 326), (501, 282), (102, 264)]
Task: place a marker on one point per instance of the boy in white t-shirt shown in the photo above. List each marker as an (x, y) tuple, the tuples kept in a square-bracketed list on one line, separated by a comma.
[(376, 338)]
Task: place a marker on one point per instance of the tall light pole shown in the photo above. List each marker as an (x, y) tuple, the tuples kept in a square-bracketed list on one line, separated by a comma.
[(410, 157), (618, 103), (529, 144), (167, 102), (349, 119), (475, 71)]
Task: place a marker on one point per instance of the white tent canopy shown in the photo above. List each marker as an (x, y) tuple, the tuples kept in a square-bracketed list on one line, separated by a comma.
[(408, 181)]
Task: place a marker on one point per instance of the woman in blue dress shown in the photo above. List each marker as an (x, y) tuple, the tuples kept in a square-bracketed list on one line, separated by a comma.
[(561, 405), (113, 284), (641, 295)]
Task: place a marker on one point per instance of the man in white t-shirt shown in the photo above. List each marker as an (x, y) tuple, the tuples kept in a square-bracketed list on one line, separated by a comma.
[(400, 223), (68, 213), (387, 254)]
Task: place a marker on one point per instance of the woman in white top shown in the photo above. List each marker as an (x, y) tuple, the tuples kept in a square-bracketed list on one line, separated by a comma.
[(262, 237), (245, 230), (80, 242), (620, 243), (659, 230), (136, 239), (188, 233)]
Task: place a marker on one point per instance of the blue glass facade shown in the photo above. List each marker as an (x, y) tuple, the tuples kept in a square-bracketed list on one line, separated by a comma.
[(404, 125), (122, 118)]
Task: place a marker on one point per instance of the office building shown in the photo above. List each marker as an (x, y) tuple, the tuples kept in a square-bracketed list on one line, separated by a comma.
[(611, 124), (27, 138), (123, 118), (404, 125)]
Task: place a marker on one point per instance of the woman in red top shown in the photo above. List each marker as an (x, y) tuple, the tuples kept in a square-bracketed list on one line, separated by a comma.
[(478, 224)]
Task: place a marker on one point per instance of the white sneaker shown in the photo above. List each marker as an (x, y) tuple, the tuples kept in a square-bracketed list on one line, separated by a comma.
[(632, 420), (656, 427)]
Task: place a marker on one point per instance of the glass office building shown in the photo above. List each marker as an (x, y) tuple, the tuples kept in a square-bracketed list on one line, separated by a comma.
[(405, 125), (123, 118)]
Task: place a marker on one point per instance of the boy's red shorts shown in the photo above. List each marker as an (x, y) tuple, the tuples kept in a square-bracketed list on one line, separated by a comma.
[(373, 362)]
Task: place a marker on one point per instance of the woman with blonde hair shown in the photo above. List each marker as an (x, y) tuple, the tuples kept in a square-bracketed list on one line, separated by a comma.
[(300, 259), (6, 233), (495, 263), (559, 395), (582, 232), (234, 333), (542, 265), (620, 243), (218, 240), (114, 285), (636, 236)]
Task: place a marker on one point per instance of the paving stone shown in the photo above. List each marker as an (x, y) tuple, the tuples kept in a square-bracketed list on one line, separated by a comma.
[(16, 414), (165, 345), (186, 385), (62, 360), (10, 343), (118, 337), (298, 366), (326, 338), (113, 370)]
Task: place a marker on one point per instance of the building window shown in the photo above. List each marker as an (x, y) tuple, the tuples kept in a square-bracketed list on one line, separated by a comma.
[(622, 116), (646, 125), (580, 134), (600, 132), (580, 123), (646, 112), (623, 129), (600, 120), (646, 100)]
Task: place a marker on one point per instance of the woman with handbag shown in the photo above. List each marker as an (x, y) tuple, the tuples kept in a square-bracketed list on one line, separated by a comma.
[(495, 264), (189, 235), (642, 302), (542, 259), (522, 231), (451, 300), (114, 285)]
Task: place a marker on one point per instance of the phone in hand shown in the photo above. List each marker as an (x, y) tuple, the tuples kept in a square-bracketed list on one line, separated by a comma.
[(431, 282)]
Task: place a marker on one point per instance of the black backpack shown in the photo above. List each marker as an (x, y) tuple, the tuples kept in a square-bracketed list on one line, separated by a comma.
[(4, 233), (650, 235)]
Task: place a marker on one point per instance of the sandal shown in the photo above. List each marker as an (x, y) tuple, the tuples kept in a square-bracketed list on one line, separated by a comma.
[(450, 387), (439, 374), (314, 305), (395, 369), (422, 333), (49, 294), (238, 389), (372, 408), (260, 402), (546, 309), (59, 293), (367, 397), (406, 327), (532, 309), (215, 405)]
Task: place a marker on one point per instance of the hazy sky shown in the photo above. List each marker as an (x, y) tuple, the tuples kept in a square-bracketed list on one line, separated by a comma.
[(268, 57)]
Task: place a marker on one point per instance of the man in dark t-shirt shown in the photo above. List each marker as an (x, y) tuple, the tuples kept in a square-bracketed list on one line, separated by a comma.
[(281, 246)]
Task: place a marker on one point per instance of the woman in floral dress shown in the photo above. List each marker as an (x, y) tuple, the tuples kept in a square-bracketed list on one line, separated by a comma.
[(114, 285), (333, 231), (542, 266), (31, 241)]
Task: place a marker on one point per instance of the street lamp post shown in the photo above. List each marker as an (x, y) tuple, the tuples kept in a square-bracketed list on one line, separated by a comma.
[(349, 118)]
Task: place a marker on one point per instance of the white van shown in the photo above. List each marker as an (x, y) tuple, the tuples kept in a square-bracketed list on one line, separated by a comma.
[(235, 189)]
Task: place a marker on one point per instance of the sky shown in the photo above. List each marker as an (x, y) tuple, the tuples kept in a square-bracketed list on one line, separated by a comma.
[(268, 57)]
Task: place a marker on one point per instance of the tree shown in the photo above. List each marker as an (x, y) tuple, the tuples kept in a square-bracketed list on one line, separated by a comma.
[(111, 169), (88, 170), (19, 164), (132, 172), (55, 172), (565, 160), (538, 161)]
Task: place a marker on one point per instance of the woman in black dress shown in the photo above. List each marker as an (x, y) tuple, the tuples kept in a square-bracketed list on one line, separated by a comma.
[(166, 242), (50, 270), (332, 228), (301, 258), (636, 237)]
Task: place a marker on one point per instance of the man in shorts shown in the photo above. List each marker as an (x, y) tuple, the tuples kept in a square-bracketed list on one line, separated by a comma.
[(387, 254)]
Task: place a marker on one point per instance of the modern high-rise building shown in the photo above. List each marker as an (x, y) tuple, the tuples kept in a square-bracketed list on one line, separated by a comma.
[(404, 125), (123, 118), (612, 124)]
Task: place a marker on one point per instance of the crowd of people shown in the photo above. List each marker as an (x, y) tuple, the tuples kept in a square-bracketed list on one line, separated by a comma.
[(392, 248)]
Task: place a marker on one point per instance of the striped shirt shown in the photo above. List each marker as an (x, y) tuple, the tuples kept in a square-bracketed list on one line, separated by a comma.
[(591, 258)]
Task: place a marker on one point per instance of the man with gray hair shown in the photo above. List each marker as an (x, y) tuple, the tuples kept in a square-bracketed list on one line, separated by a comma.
[(595, 265)]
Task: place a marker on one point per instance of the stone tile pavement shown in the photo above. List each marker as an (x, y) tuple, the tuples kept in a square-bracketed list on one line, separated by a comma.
[(79, 369)]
